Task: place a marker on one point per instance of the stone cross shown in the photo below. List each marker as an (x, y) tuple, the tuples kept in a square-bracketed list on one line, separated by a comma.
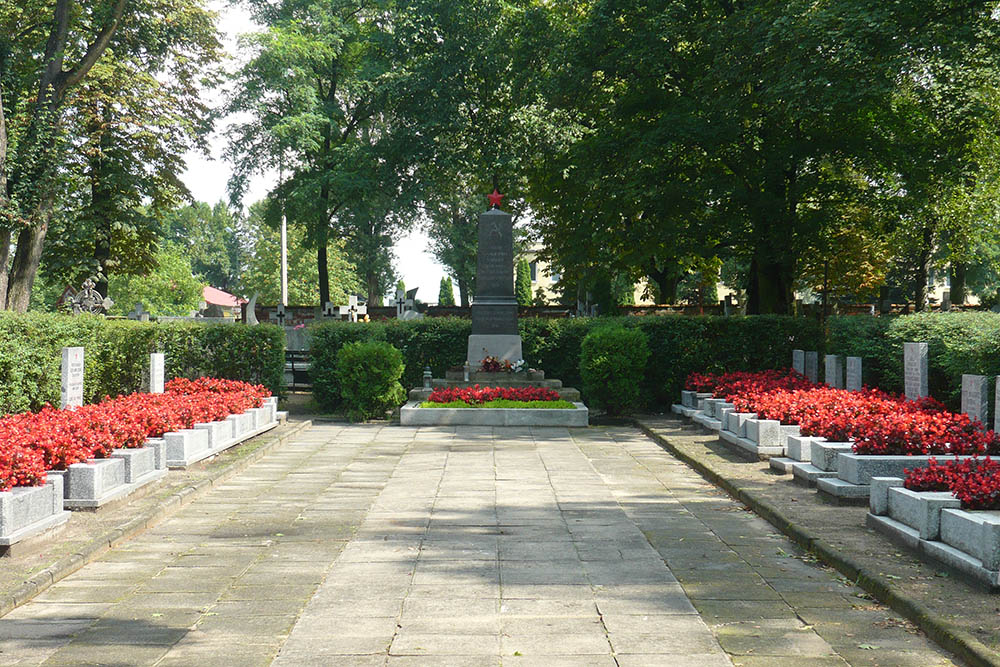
[(812, 366), (329, 310), (72, 378), (915, 370), (352, 309), (279, 314), (799, 361), (975, 397), (156, 372), (854, 380), (833, 373), (139, 313)]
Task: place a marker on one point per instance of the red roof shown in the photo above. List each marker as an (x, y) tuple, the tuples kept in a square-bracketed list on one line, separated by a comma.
[(217, 297)]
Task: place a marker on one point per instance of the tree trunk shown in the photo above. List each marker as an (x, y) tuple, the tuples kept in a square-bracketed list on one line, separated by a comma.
[(26, 259), (666, 284), (923, 270), (770, 289), (957, 273), (101, 207), (463, 293), (324, 273), (4, 204), (373, 289)]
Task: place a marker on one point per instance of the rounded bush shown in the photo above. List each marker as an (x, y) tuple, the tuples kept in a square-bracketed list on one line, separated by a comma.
[(612, 364), (368, 374)]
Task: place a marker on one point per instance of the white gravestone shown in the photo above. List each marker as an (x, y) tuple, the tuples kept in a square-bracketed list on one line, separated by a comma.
[(812, 366), (329, 310), (975, 397), (834, 371), (799, 361), (156, 363), (854, 380), (915, 370), (72, 377)]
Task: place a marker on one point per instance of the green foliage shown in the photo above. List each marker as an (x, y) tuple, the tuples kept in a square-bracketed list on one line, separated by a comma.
[(209, 236), (262, 272), (116, 355), (169, 289), (522, 283), (957, 343), (368, 374), (446, 294), (678, 346), (612, 359)]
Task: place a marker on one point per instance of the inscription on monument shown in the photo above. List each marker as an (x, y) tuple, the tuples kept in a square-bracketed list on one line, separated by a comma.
[(854, 380), (72, 377), (975, 399), (915, 370)]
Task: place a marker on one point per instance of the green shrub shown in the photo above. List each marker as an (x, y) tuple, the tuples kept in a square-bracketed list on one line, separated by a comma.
[(612, 363), (116, 355), (368, 374)]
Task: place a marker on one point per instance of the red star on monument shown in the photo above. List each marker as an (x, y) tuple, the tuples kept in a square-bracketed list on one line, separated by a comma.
[(495, 198)]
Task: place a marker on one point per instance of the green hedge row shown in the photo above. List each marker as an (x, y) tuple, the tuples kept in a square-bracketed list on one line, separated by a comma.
[(117, 352), (957, 343), (677, 346)]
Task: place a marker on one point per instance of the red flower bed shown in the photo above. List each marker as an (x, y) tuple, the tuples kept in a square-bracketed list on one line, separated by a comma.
[(477, 395), (31, 443), (975, 482), (877, 422)]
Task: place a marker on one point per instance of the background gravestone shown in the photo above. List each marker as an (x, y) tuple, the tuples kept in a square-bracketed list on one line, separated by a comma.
[(494, 308), (996, 406), (834, 372), (156, 363), (975, 397), (799, 361), (915, 370), (812, 366), (72, 377), (854, 380)]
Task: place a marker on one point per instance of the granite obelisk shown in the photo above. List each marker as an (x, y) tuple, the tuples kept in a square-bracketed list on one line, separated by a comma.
[(494, 307)]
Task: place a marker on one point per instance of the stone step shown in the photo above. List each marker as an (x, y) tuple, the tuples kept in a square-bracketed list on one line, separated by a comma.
[(565, 393), (503, 378), (548, 384)]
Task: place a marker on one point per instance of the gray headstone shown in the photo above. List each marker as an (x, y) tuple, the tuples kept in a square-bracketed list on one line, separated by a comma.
[(812, 366), (799, 361), (915, 370), (975, 397), (156, 371), (833, 373), (854, 380), (494, 309), (996, 406), (72, 377)]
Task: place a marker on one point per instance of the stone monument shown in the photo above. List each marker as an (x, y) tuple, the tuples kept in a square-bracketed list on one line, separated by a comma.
[(494, 308), (915, 370), (72, 378)]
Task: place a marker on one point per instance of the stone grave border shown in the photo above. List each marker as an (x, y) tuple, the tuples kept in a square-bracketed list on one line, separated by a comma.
[(412, 414), (26, 512)]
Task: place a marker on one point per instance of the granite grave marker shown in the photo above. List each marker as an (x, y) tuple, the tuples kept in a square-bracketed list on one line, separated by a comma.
[(975, 397), (915, 370), (854, 379), (72, 377)]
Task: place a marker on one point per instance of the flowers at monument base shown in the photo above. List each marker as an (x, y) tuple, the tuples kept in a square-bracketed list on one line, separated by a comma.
[(876, 421), (495, 365), (478, 395), (53, 439), (975, 482)]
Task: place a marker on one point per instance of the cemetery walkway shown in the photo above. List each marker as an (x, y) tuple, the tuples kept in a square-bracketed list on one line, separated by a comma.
[(385, 545)]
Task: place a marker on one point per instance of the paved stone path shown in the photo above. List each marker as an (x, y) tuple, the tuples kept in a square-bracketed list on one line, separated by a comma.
[(375, 545)]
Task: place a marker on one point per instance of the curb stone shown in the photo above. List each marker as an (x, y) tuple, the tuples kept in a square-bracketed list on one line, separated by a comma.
[(937, 626), (97, 547)]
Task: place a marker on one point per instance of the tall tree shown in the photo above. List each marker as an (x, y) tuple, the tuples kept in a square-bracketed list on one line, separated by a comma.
[(316, 89)]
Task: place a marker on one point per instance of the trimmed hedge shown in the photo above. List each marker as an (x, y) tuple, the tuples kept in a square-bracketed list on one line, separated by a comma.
[(957, 343), (678, 345), (117, 355), (611, 359)]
